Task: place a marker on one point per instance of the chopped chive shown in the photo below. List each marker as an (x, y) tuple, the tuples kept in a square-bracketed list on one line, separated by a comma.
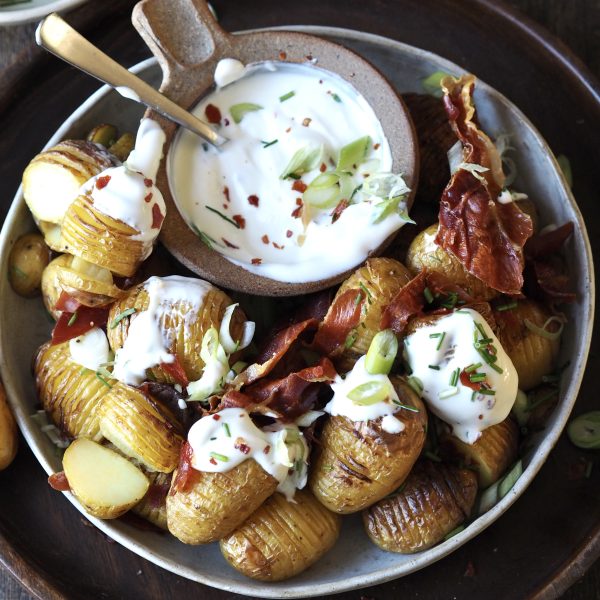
[(121, 316), (435, 335), (350, 339), (357, 299), (486, 392), (472, 368), (19, 272), (336, 97), (416, 385), (72, 319), (365, 289), (225, 217), (450, 301), (428, 295), (481, 329), (226, 428), (405, 406), (287, 96), (354, 191), (507, 306), (103, 380), (439, 344), (267, 144), (218, 456), (588, 469), (496, 368), (434, 367), (448, 393), (204, 237), (212, 439), (477, 377), (455, 376)]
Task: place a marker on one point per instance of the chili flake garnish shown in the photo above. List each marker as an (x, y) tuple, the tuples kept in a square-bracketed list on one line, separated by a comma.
[(306, 122), (265, 239), (241, 446), (323, 168), (148, 197), (147, 182), (297, 212), (267, 449), (213, 114), (226, 193), (276, 245), (229, 244), (253, 200), (212, 461), (157, 217), (283, 55), (338, 210), (376, 146), (240, 221), (217, 417), (256, 261), (289, 233), (299, 186), (102, 182)]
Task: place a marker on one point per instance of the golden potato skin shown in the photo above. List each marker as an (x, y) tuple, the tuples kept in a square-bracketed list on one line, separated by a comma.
[(532, 355), (153, 506), (140, 427), (282, 539), (184, 331), (26, 262), (51, 287), (423, 253), (359, 463), (69, 393), (435, 499), (490, 455), (212, 505), (383, 278), (8, 432)]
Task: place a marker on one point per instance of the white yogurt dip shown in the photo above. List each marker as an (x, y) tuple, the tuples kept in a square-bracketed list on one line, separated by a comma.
[(250, 203)]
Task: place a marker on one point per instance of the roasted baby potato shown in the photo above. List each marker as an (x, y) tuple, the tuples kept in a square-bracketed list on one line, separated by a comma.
[(359, 463), (103, 134), (424, 253), (123, 146), (52, 180), (69, 393), (8, 432), (212, 505), (490, 455), (532, 354), (140, 427), (379, 278), (105, 483), (51, 288), (435, 499), (27, 260), (282, 538), (181, 323)]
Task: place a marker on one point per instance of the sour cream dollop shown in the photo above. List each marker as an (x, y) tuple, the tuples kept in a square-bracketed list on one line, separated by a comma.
[(443, 357), (222, 441), (242, 201)]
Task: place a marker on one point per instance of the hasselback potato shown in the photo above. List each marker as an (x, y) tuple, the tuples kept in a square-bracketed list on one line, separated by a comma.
[(490, 455), (532, 354), (140, 427), (282, 538), (424, 253), (212, 505), (359, 463), (153, 506), (69, 393), (51, 288), (435, 499)]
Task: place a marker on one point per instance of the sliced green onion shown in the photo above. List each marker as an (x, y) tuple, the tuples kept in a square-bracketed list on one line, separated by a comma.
[(584, 431), (435, 335), (432, 84), (452, 391), (382, 353), (353, 154), (510, 479), (486, 392), (239, 111), (472, 368), (287, 96), (388, 207), (369, 393), (72, 319), (507, 306), (428, 295), (481, 329), (454, 532), (121, 316), (542, 331), (454, 377), (229, 345), (489, 498), (227, 430), (416, 385), (303, 160), (439, 344), (218, 456), (434, 367), (336, 97), (477, 377)]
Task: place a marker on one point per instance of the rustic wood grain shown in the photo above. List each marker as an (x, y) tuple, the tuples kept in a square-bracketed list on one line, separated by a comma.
[(577, 23)]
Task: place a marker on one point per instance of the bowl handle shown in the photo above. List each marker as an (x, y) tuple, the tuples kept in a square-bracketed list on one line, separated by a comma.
[(182, 34)]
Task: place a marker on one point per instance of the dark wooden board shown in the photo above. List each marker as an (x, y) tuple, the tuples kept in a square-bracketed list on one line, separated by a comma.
[(552, 534)]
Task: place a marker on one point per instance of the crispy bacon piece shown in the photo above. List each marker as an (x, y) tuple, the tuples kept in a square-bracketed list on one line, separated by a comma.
[(407, 303), (59, 482), (67, 303), (157, 494), (343, 316), (87, 318), (487, 237), (176, 371), (185, 471)]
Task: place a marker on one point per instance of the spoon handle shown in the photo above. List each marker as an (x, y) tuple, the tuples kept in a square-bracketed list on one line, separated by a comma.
[(59, 38)]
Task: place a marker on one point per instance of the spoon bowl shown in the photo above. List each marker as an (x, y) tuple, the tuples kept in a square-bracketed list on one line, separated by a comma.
[(188, 43)]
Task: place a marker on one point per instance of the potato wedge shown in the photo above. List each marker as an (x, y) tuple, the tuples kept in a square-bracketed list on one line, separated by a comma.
[(212, 505), (532, 355), (140, 427), (26, 262), (106, 484), (69, 393), (490, 455), (435, 499), (8, 432), (424, 253), (359, 463), (282, 538)]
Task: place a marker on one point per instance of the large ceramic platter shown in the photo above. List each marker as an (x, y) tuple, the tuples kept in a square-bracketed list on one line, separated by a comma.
[(354, 562)]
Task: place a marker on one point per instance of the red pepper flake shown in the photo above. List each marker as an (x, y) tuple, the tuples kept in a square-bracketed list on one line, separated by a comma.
[(289, 233), (212, 461), (308, 57), (241, 446), (253, 200), (226, 121), (157, 217), (59, 482), (102, 182), (213, 114), (148, 197), (216, 417), (276, 245), (225, 206), (323, 168), (265, 239), (288, 129), (147, 182), (338, 210), (229, 244), (283, 55), (376, 146), (226, 193), (306, 122), (256, 261), (297, 212), (267, 449), (299, 186), (240, 221)]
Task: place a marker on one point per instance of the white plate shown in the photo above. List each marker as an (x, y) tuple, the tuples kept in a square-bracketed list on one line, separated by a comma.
[(34, 10), (354, 562)]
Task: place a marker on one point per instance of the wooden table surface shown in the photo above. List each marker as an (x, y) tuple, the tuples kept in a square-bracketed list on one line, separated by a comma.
[(575, 22)]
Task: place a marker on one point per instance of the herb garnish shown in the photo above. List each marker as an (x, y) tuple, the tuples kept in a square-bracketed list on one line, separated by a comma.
[(287, 96), (121, 316), (224, 217), (267, 144)]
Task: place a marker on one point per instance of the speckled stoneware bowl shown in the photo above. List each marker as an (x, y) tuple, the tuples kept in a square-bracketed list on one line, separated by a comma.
[(354, 562), (188, 43)]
